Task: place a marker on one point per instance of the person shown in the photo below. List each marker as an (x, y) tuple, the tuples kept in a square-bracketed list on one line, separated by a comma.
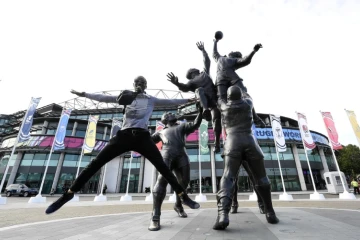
[(52, 191), (174, 154), (133, 136), (104, 189), (226, 75), (204, 88), (355, 185), (240, 145)]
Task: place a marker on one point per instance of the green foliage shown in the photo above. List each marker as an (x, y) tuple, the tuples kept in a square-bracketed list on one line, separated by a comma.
[(349, 160)]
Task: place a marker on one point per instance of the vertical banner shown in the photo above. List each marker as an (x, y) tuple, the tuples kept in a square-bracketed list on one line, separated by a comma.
[(159, 127), (61, 130), (90, 136), (305, 132), (28, 120), (331, 130), (278, 133), (203, 137), (354, 124)]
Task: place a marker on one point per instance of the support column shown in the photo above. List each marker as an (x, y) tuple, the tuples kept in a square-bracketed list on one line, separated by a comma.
[(324, 162), (141, 175), (58, 171), (105, 132), (44, 127), (74, 129), (15, 168), (213, 169), (118, 180), (298, 167)]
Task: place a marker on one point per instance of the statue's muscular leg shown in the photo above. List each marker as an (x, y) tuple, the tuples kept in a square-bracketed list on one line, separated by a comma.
[(200, 94), (216, 121), (255, 160), (225, 194), (159, 193), (252, 179), (183, 176)]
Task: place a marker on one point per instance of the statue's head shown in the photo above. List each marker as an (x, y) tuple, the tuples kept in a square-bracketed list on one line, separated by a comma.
[(168, 118), (234, 93), (192, 73), (235, 55), (140, 84)]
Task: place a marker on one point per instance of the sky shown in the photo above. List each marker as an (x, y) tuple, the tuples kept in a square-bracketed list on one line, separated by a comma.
[(309, 61)]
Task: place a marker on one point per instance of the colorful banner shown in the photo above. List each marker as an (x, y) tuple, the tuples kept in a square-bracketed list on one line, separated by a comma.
[(278, 133), (159, 127), (28, 120), (61, 130), (90, 136), (204, 137), (354, 124), (331, 130), (305, 132), (115, 127)]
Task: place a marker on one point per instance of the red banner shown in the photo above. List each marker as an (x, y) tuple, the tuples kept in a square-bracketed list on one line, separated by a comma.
[(330, 128), (159, 126)]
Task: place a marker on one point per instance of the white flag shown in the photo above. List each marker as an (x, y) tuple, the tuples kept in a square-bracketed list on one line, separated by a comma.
[(278, 133), (305, 132)]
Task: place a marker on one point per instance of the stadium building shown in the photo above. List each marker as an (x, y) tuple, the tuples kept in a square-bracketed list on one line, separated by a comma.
[(29, 160)]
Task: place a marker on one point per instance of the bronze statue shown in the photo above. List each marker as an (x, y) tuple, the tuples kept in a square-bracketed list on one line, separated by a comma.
[(226, 75), (173, 151), (133, 136), (204, 88), (240, 145)]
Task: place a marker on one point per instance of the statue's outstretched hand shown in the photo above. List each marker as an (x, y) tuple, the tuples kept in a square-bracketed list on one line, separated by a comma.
[(200, 46), (80, 94), (257, 47), (172, 78)]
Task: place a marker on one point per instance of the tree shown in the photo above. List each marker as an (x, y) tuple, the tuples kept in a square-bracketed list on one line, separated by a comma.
[(349, 160)]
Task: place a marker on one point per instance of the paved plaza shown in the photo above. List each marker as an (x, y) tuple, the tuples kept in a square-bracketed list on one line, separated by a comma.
[(299, 219)]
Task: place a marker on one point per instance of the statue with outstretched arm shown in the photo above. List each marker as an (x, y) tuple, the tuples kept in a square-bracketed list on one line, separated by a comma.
[(133, 136), (202, 85), (173, 151), (226, 75), (240, 145)]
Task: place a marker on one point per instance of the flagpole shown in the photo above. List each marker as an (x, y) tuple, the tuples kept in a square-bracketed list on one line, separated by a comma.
[(345, 194), (253, 196), (12, 152), (101, 197), (82, 148), (315, 195), (127, 197), (47, 163), (200, 197), (283, 196)]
